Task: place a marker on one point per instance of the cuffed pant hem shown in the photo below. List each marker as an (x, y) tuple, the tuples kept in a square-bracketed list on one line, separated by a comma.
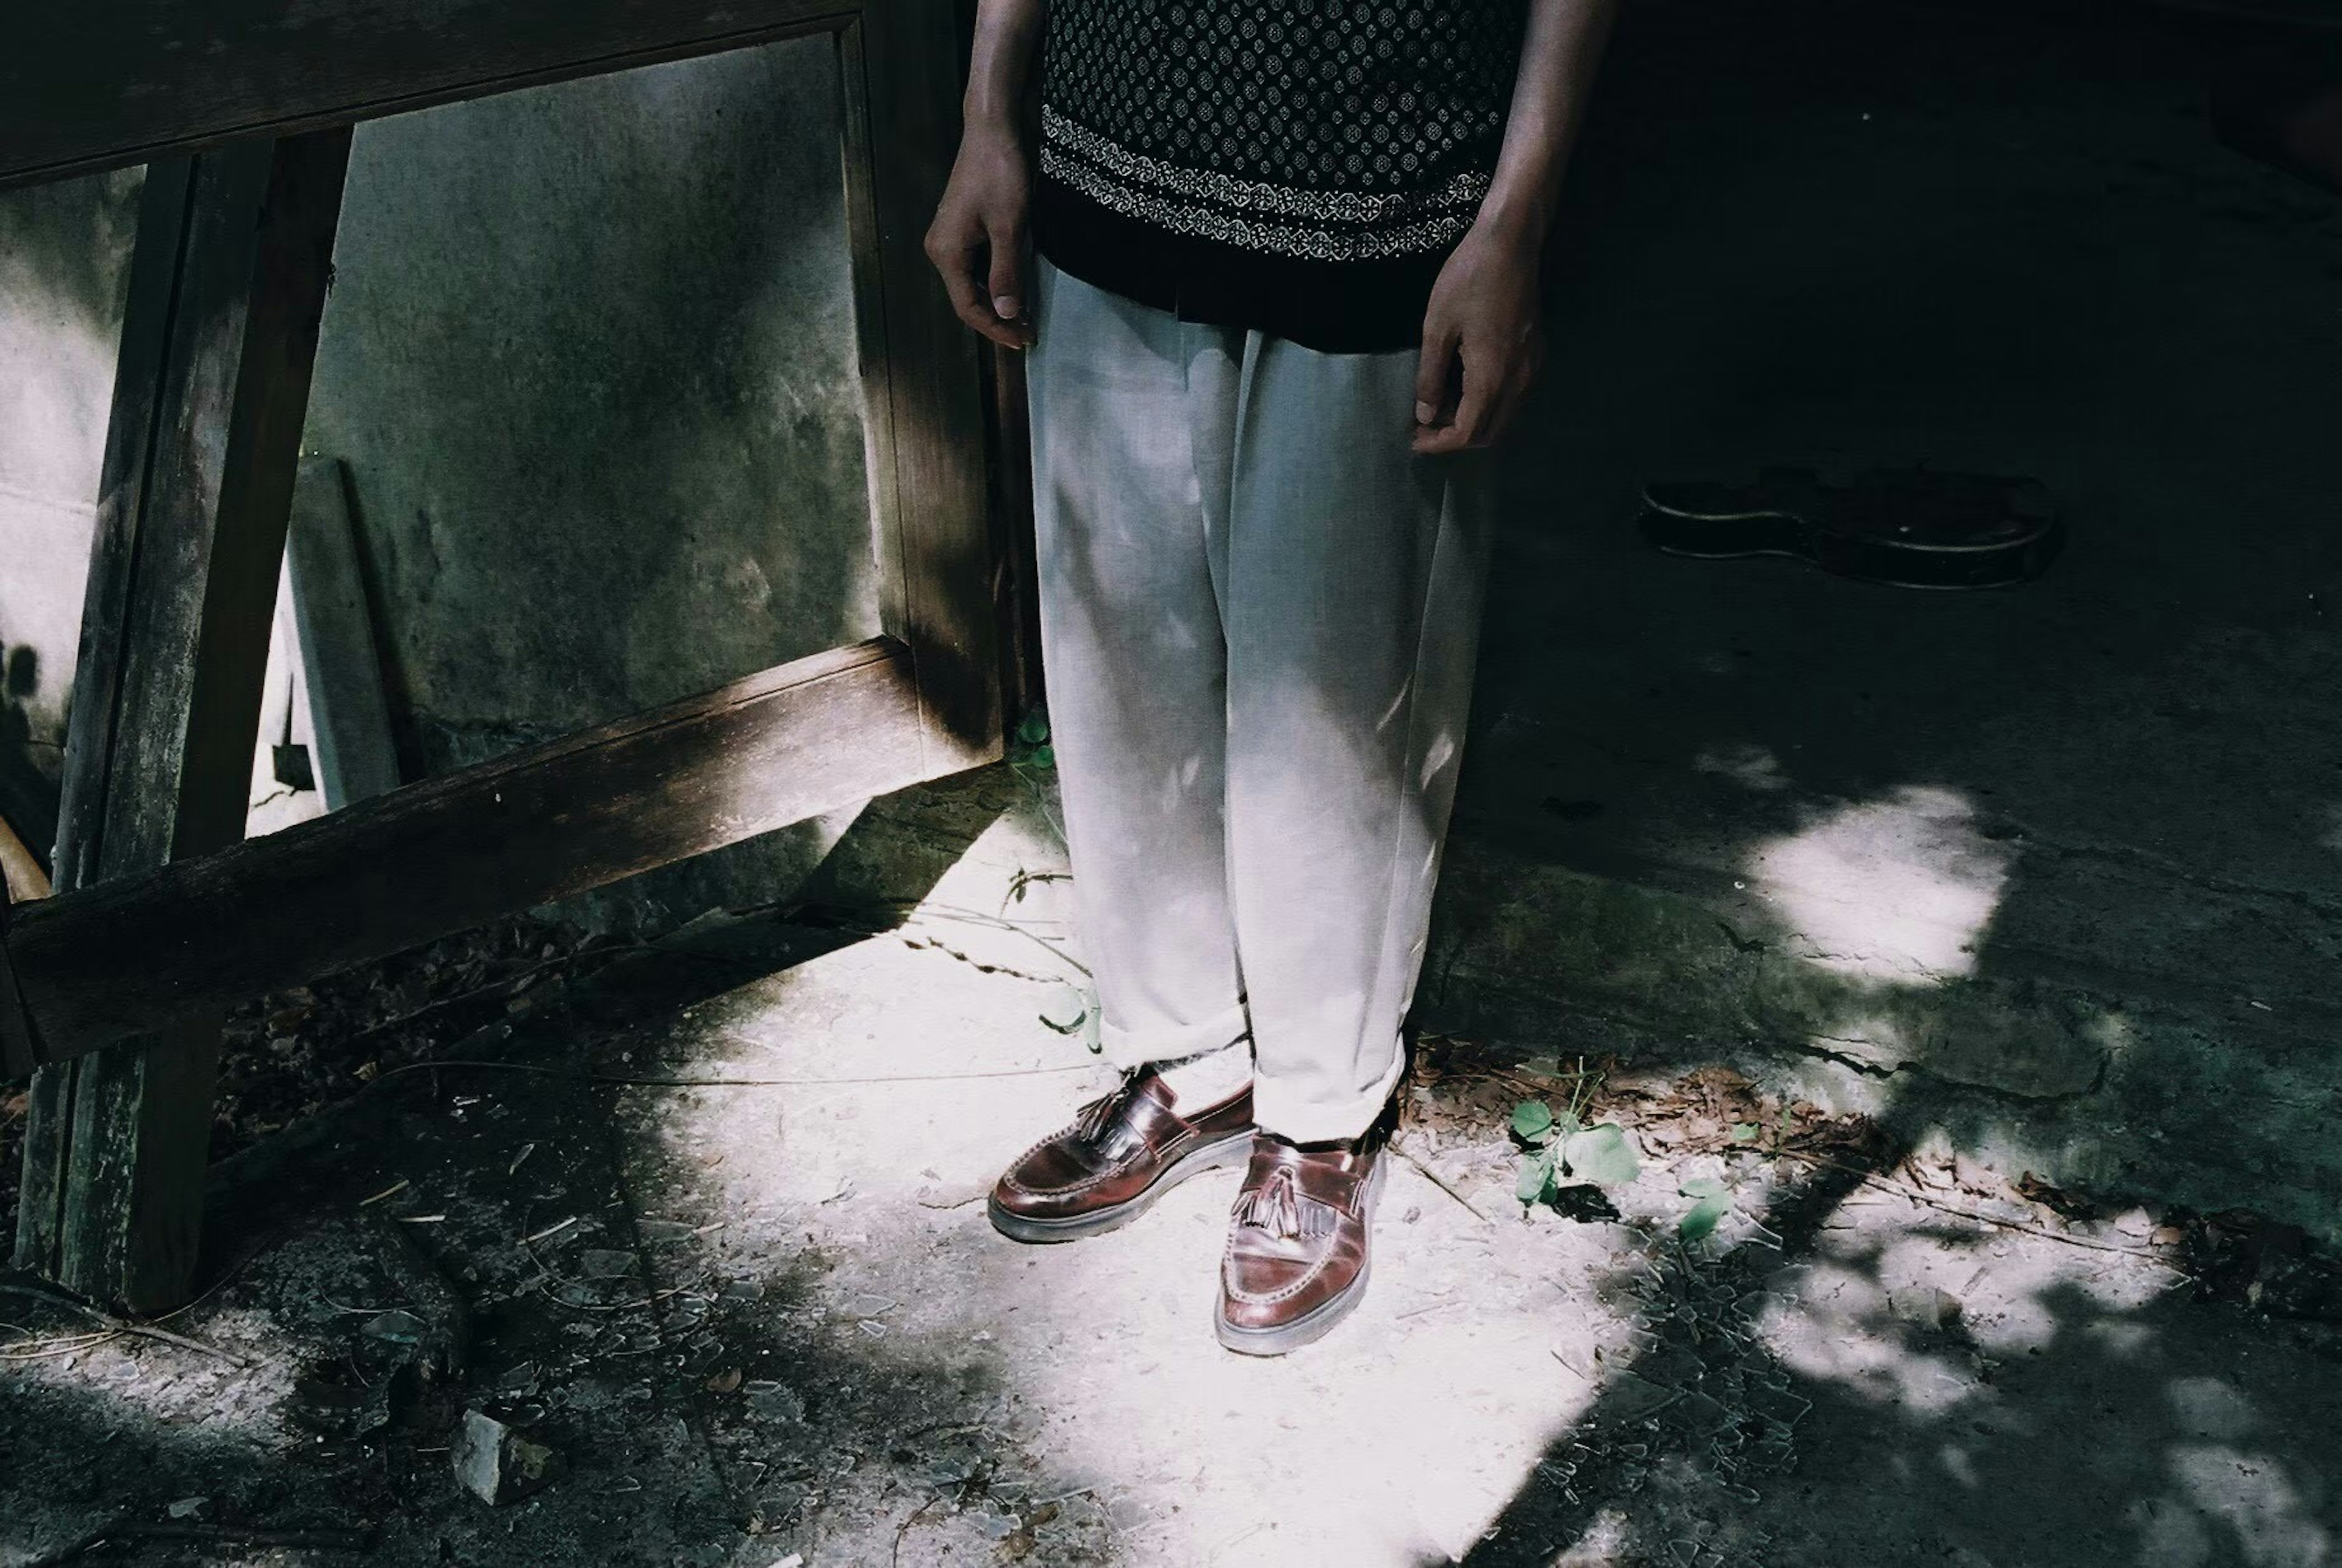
[(1275, 1108), (1128, 1048)]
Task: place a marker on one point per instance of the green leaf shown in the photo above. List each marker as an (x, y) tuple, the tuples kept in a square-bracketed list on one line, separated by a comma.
[(1536, 1174), (1745, 1131), (1567, 1125), (1601, 1155), (1713, 1201), (1532, 1120), (1700, 1222), (1045, 756), (1034, 729)]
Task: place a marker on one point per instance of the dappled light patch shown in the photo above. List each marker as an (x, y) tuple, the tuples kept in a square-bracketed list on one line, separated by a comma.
[(1897, 889)]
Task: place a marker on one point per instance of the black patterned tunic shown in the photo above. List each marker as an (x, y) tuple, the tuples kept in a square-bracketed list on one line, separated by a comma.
[(1300, 166)]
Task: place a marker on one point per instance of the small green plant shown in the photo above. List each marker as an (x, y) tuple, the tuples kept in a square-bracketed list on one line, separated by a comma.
[(1564, 1152), (1711, 1201), (1030, 748)]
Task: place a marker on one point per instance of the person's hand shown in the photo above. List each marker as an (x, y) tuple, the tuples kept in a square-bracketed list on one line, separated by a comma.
[(1483, 344), (978, 239)]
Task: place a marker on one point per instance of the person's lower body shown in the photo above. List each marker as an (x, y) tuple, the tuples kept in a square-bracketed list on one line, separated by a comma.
[(1259, 615)]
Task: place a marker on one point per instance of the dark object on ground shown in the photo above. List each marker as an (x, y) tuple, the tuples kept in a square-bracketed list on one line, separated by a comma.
[(2239, 1256), (292, 767), (2285, 112), (2058, 1200), (1912, 528)]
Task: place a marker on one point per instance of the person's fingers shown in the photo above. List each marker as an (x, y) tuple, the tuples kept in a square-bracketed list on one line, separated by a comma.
[(1502, 411), (1006, 279), (1483, 381), (962, 272), (1507, 407), (1477, 411), (1435, 374)]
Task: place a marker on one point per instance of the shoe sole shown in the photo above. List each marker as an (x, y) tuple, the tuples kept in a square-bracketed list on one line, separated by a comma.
[(1320, 1320), (1232, 1150)]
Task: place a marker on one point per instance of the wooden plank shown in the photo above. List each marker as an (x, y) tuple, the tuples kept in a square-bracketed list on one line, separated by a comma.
[(856, 138), (20, 1051), (450, 853), (228, 281), (110, 82), (20, 870), (164, 221), (349, 717), (942, 547), (21, 880), (1016, 596)]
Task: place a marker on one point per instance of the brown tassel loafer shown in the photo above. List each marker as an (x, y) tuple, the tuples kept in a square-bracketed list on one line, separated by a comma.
[(1297, 1259), (1123, 1152)]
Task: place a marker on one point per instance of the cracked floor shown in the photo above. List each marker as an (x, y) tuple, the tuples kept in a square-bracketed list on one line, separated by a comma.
[(767, 1324)]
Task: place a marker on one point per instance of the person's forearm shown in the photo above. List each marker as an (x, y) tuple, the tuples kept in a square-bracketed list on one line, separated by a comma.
[(1007, 35), (1560, 55)]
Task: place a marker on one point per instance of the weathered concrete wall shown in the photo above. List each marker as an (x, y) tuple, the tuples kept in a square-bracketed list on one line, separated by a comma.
[(64, 251), (590, 356)]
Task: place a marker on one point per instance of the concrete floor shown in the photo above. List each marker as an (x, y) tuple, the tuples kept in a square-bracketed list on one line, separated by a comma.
[(2058, 870), (768, 1324)]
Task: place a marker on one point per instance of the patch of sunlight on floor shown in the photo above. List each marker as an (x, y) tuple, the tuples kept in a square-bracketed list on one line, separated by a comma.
[(2251, 1493), (156, 1389), (1897, 889), (1395, 1443)]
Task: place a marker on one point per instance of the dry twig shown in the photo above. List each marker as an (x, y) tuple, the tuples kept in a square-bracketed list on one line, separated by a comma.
[(1434, 1178), (121, 1326)]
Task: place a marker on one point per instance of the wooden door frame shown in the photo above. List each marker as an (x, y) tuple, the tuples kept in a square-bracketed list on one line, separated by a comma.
[(110, 990)]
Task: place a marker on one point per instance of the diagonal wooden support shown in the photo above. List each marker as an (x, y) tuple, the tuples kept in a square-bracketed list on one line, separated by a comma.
[(20, 1046), (458, 850), (227, 284)]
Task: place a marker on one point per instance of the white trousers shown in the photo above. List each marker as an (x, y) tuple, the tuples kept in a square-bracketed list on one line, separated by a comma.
[(1259, 614)]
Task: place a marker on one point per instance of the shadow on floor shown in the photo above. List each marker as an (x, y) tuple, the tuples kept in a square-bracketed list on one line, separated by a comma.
[(1977, 238)]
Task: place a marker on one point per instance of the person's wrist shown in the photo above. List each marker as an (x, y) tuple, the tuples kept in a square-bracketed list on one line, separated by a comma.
[(990, 132), (1515, 225)]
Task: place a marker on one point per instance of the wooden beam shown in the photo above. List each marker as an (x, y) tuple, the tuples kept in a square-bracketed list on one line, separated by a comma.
[(20, 1051), (105, 83), (451, 853), (1016, 590), (21, 880), (20, 870), (227, 284), (940, 548)]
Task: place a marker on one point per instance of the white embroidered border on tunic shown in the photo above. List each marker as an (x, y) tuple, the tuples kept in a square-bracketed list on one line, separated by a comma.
[(1108, 173)]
